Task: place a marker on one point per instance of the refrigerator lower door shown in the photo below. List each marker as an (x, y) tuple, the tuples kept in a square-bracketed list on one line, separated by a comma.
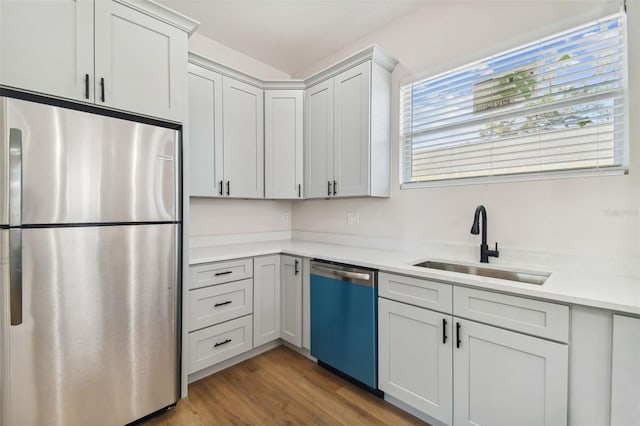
[(98, 341), (79, 167), (4, 304)]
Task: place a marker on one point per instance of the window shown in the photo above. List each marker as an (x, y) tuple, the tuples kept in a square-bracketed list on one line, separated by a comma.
[(549, 107)]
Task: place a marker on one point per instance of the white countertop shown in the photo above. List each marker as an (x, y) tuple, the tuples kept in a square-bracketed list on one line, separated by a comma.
[(597, 290)]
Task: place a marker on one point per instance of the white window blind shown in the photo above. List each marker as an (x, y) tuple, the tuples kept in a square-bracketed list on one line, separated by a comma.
[(554, 105)]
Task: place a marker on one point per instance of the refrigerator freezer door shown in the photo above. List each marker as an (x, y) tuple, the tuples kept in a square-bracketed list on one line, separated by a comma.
[(79, 167), (98, 342), (4, 165)]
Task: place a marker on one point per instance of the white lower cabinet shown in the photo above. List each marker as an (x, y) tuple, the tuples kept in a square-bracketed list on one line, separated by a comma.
[(625, 371), (266, 299), (214, 344), (415, 357), (503, 378), (291, 300), (462, 372)]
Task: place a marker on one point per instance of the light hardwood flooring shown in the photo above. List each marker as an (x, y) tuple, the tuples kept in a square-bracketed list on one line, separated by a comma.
[(280, 387)]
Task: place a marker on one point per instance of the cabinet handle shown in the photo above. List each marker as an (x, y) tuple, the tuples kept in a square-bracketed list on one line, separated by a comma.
[(329, 188), (295, 269), (228, 187), (228, 302), (299, 190), (220, 191), (334, 188), (444, 330), (224, 342), (102, 89), (458, 341), (86, 86), (217, 274)]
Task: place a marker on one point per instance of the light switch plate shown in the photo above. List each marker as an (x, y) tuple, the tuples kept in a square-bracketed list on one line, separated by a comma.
[(285, 216)]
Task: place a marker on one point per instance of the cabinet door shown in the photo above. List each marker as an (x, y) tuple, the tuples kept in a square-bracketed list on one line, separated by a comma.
[(205, 132), (318, 141), (351, 145), (243, 135), (266, 299), (291, 300), (503, 378), (415, 362), (625, 371), (47, 47), (283, 144), (140, 62)]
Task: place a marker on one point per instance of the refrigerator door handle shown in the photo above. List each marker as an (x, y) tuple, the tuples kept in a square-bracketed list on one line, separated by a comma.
[(15, 220), (15, 275), (15, 177)]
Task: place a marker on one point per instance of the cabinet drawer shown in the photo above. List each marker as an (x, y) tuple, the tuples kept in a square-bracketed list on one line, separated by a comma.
[(220, 272), (416, 291), (219, 303), (214, 344), (544, 319)]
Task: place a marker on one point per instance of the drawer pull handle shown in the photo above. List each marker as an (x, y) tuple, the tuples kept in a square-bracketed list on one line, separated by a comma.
[(444, 330), (458, 341), (224, 342), (222, 303), (223, 273)]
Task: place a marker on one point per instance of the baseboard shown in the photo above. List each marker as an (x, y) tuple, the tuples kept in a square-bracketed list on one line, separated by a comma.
[(233, 361), (415, 413)]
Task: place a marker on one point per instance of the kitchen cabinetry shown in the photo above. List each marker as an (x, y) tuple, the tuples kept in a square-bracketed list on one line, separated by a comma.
[(499, 376), (291, 300), (346, 149), (129, 56), (220, 312), (205, 132), (243, 139), (625, 371), (266, 318), (283, 144), (226, 149), (416, 357)]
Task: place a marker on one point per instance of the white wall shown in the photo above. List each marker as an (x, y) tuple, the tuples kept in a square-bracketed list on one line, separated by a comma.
[(210, 216), (597, 218)]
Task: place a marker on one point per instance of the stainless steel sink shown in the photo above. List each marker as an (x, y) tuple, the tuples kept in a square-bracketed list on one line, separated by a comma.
[(518, 276)]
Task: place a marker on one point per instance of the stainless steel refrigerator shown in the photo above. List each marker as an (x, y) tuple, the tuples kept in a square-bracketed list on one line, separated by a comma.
[(89, 264)]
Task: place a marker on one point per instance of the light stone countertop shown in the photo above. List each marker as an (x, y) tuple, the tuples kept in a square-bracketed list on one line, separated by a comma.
[(612, 292)]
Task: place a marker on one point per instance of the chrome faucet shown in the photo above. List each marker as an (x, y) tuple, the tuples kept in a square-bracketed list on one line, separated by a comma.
[(475, 230)]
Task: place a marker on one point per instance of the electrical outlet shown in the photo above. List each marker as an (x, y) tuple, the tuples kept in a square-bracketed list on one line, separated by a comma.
[(285, 216), (353, 218)]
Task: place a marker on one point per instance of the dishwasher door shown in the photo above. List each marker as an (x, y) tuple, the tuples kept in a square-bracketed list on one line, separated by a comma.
[(344, 320)]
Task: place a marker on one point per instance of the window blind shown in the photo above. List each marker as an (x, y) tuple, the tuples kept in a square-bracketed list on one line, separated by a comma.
[(554, 105)]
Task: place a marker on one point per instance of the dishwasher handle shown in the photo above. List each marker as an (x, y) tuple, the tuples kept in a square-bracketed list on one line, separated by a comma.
[(364, 278)]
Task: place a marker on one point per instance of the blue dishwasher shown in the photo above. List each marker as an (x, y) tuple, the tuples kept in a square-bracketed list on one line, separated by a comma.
[(344, 320)]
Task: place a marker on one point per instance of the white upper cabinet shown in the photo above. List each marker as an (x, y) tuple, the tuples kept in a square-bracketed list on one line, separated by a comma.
[(140, 62), (318, 142), (205, 132), (283, 144), (347, 131), (47, 47), (351, 137), (243, 139), (124, 55)]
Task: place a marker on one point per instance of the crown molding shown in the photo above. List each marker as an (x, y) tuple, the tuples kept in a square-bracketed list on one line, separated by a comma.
[(162, 13), (371, 53)]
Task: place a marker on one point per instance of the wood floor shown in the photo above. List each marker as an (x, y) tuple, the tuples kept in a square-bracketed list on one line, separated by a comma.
[(280, 387)]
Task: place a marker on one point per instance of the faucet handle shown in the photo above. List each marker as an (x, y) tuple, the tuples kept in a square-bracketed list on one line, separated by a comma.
[(496, 253)]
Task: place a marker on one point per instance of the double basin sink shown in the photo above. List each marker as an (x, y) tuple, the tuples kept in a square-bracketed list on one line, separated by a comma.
[(516, 276)]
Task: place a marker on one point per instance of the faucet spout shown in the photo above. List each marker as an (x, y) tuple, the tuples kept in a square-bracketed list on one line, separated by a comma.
[(475, 230)]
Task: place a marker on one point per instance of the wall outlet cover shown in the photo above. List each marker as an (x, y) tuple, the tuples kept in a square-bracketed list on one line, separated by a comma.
[(285, 216), (353, 218)]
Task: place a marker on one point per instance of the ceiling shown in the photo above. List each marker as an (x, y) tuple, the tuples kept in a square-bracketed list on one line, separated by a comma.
[(290, 35)]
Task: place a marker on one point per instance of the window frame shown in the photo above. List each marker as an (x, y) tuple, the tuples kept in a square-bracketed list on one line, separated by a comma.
[(622, 169)]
